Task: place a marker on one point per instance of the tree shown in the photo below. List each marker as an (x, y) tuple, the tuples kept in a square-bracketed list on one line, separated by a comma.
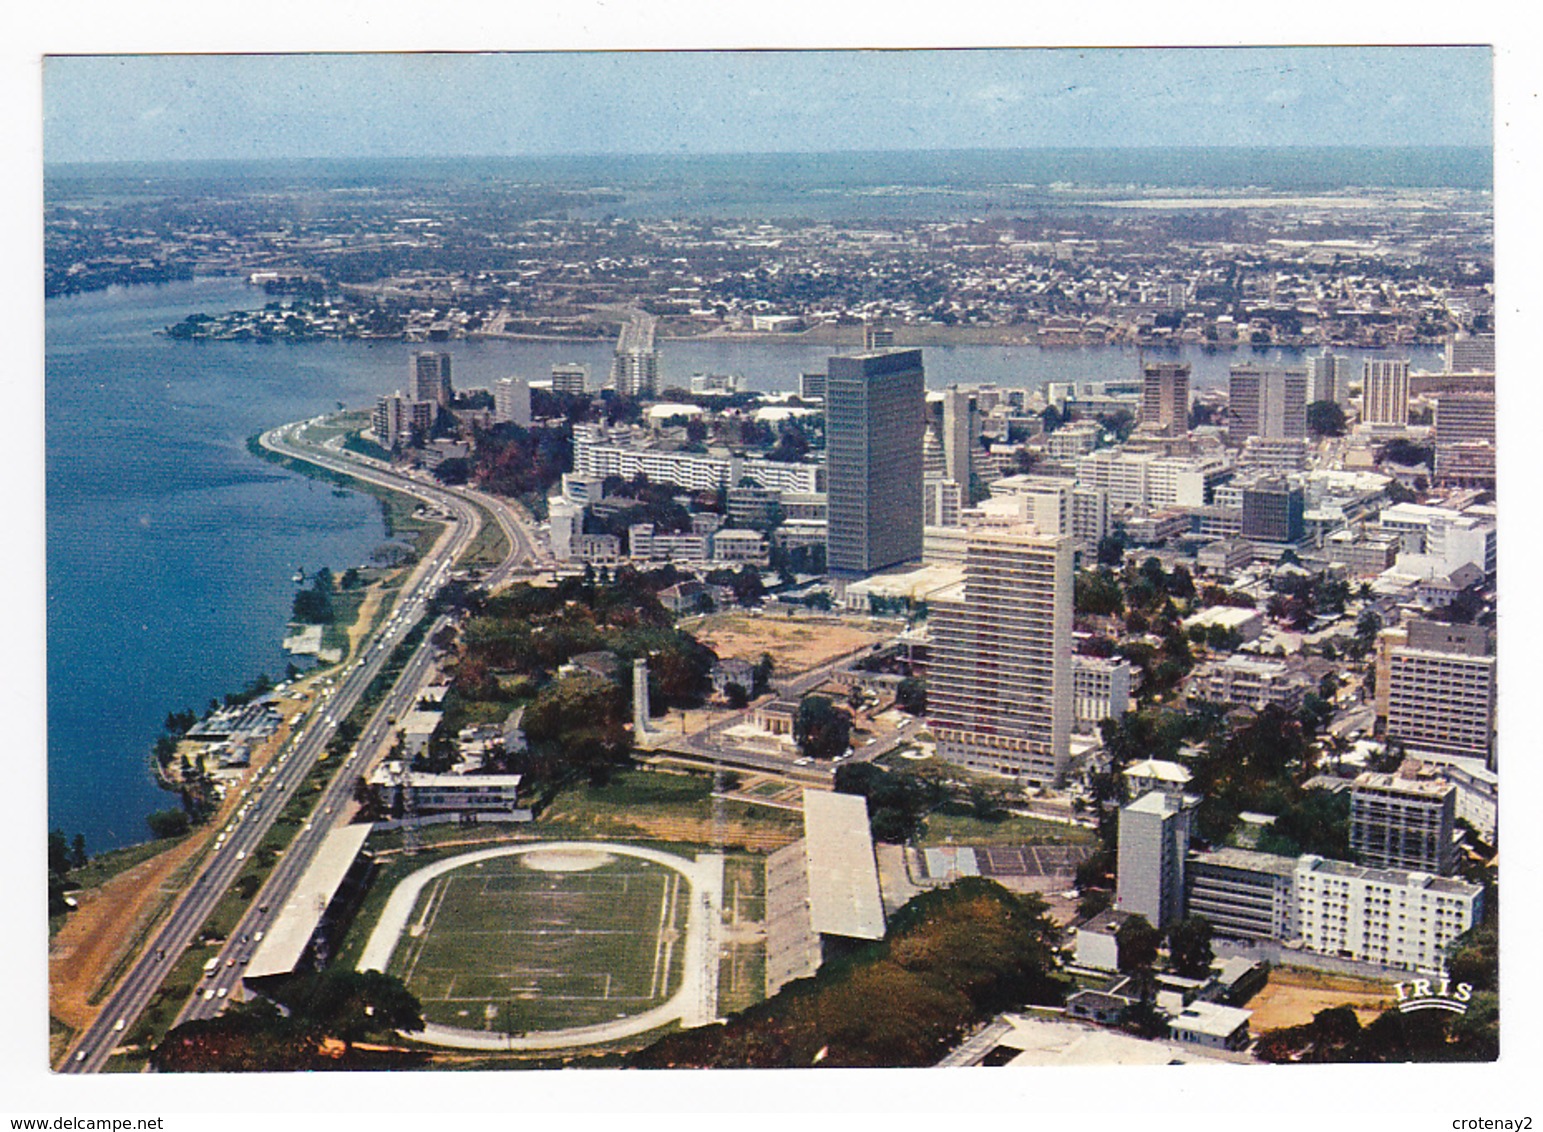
[(761, 675), (911, 695), (821, 729), (1189, 947), (897, 802), (168, 823), (353, 1005), (1136, 942), (1325, 418), (736, 694)]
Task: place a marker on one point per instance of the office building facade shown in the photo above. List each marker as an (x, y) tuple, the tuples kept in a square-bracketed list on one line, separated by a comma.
[(1385, 392), (431, 377), (1403, 821), (570, 378), (1165, 398), (874, 408), (1000, 683), (1268, 403), (1272, 512)]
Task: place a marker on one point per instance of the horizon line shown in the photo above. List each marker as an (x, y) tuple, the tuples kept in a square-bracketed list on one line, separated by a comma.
[(615, 155)]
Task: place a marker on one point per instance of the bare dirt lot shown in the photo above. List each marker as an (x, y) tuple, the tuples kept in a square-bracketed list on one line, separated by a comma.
[(1294, 995), (795, 644)]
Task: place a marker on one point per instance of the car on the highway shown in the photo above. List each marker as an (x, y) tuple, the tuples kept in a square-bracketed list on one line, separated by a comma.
[(258, 938), (119, 1024), (208, 994), (220, 993)]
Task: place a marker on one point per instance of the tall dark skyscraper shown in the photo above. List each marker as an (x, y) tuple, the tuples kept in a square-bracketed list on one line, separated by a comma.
[(874, 409)]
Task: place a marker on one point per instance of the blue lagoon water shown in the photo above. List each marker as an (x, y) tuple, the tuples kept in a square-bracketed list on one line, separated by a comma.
[(171, 548)]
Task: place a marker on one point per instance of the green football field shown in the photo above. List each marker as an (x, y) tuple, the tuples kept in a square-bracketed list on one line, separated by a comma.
[(509, 947)]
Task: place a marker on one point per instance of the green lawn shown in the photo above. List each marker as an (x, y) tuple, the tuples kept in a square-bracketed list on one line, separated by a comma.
[(963, 830), (742, 971), (489, 548), (504, 946)]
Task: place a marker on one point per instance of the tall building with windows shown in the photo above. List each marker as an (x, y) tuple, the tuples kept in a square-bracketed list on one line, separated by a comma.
[(1463, 418), (511, 401), (1441, 692), (431, 377), (1000, 678), (1272, 512), (1404, 821), (1385, 392), (570, 378), (1330, 374), (1165, 398), (961, 436), (874, 408), (1268, 403), (635, 367), (1153, 847), (1471, 353), (399, 421)]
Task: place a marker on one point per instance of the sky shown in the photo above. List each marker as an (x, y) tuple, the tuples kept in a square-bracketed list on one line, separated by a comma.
[(198, 107)]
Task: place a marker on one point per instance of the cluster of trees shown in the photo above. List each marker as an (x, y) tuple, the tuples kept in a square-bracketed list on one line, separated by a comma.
[(1407, 453), (911, 695), (898, 803), (821, 729), (513, 643), (64, 856), (1151, 601), (332, 1005), (313, 605), (1255, 767), (1337, 1036), (522, 463), (1325, 418), (951, 958), (1298, 598)]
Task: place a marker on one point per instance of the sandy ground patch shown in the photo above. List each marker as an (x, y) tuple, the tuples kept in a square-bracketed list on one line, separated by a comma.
[(795, 645), (559, 861), (1294, 995), (94, 935), (365, 619)]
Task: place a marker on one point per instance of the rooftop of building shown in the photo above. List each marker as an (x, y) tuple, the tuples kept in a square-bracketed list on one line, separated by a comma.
[(1156, 802), (1413, 782), (1249, 860), (1159, 769), (844, 895), (1211, 1019), (296, 921), (1397, 878), (1043, 1041)]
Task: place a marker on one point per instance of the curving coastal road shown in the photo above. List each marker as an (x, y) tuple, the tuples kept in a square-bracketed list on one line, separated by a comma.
[(265, 796)]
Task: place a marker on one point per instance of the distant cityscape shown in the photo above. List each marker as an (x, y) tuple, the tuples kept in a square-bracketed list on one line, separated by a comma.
[(1182, 697)]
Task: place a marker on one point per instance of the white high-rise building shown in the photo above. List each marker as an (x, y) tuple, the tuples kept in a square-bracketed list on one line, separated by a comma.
[(511, 401), (1154, 844), (566, 520), (961, 436), (1000, 684)]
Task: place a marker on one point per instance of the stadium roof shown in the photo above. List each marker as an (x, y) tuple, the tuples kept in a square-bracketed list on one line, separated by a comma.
[(843, 874), (296, 922)]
